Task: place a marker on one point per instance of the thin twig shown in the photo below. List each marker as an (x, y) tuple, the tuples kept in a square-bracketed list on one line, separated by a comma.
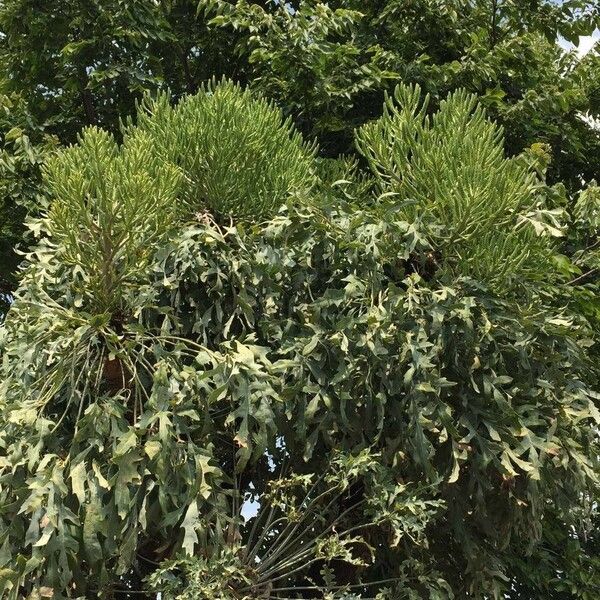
[(583, 276)]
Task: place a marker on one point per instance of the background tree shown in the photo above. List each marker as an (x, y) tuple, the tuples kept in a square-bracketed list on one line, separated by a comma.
[(25, 144), (329, 64)]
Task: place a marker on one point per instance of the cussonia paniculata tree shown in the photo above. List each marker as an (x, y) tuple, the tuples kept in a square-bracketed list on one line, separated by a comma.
[(233, 370)]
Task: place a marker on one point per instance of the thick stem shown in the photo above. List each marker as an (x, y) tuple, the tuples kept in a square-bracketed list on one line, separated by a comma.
[(87, 99), (493, 30), (189, 78)]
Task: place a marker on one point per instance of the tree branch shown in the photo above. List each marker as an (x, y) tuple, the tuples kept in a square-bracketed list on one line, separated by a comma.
[(583, 276), (87, 100)]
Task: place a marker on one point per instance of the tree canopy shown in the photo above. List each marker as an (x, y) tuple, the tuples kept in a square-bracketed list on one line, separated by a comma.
[(307, 306), (72, 64)]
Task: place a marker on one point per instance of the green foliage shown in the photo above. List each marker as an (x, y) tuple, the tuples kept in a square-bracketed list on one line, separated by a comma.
[(67, 65), (24, 146), (110, 206), (329, 64), (550, 100), (325, 64), (412, 420), (103, 370), (582, 246), (83, 63), (90, 501), (220, 151), (306, 58), (566, 565), (451, 167), (240, 158), (300, 527)]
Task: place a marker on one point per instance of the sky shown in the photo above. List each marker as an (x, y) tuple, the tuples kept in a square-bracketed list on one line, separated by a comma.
[(585, 43)]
